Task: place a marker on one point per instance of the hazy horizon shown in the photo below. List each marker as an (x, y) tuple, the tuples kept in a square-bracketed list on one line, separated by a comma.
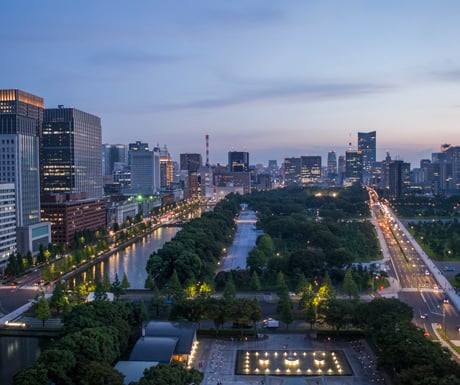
[(276, 79)]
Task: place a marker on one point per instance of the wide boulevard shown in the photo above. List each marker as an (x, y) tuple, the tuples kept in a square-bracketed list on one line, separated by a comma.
[(422, 284)]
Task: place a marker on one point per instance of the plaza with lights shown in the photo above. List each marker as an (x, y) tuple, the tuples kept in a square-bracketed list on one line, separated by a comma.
[(292, 363), (287, 359)]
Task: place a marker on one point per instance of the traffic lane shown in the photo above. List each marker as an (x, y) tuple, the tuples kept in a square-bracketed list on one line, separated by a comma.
[(428, 309), (12, 298), (423, 317)]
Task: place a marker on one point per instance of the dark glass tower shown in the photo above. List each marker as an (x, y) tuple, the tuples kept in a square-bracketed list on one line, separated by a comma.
[(354, 165), (190, 162), (331, 165), (238, 161), (310, 169), (71, 158), (367, 144)]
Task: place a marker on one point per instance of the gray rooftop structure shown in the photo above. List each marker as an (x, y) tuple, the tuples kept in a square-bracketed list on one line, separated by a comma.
[(184, 331), (159, 349)]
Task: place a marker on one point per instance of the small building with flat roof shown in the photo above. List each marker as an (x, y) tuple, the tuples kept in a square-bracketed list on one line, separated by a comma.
[(164, 341)]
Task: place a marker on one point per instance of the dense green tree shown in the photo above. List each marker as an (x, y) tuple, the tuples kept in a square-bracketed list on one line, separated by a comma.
[(59, 300), (174, 288), (41, 255), (255, 281), (302, 284), (35, 375), (339, 313), (106, 285), (12, 267), (100, 294), (171, 374), (256, 260), (281, 286), (157, 303), (30, 259), (149, 282), (47, 272), (117, 288), (244, 311), (285, 309), (349, 286), (95, 344), (124, 282), (391, 312), (59, 364), (218, 311), (100, 373), (229, 290), (43, 312)]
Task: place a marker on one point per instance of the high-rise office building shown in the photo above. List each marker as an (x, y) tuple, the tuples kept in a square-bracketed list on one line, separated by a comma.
[(7, 222), (310, 169), (354, 165), (21, 115), (398, 178), (453, 158), (238, 161), (341, 168), (166, 168), (137, 146), (145, 171), (190, 162), (111, 154), (367, 145), (291, 171), (71, 159), (331, 165)]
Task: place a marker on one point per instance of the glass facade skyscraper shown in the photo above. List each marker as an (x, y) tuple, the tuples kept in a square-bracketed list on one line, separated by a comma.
[(21, 116), (354, 165), (7, 221), (331, 165), (71, 159), (238, 161), (367, 144), (310, 169)]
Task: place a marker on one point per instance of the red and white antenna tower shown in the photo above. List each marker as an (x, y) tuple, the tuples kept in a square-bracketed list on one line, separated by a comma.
[(207, 150)]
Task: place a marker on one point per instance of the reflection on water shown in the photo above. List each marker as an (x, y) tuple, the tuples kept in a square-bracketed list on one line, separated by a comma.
[(131, 260), (16, 353)]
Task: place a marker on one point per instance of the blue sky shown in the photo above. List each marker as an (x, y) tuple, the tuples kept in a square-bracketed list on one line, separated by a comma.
[(275, 78)]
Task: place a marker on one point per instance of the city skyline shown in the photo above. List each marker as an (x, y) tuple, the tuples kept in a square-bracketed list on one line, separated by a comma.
[(274, 79)]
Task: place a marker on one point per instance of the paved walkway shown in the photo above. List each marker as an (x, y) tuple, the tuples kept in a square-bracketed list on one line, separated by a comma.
[(217, 359)]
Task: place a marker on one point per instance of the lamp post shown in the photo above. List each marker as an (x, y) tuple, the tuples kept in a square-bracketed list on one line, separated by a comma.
[(444, 318), (374, 276)]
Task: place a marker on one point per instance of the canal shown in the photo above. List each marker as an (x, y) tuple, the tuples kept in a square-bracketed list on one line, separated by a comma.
[(131, 260), (17, 353)]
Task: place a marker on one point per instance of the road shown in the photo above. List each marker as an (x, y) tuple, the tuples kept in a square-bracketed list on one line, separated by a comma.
[(244, 241), (421, 284)]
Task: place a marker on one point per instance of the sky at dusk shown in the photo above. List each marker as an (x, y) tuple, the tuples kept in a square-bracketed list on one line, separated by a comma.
[(275, 78)]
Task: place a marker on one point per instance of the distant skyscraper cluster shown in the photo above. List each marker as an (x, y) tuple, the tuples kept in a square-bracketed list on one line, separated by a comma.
[(58, 179)]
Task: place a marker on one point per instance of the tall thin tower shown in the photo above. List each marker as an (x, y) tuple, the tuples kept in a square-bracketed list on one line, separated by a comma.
[(207, 150)]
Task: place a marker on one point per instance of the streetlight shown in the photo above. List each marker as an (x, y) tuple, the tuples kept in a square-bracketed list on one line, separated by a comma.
[(374, 276), (444, 318)]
